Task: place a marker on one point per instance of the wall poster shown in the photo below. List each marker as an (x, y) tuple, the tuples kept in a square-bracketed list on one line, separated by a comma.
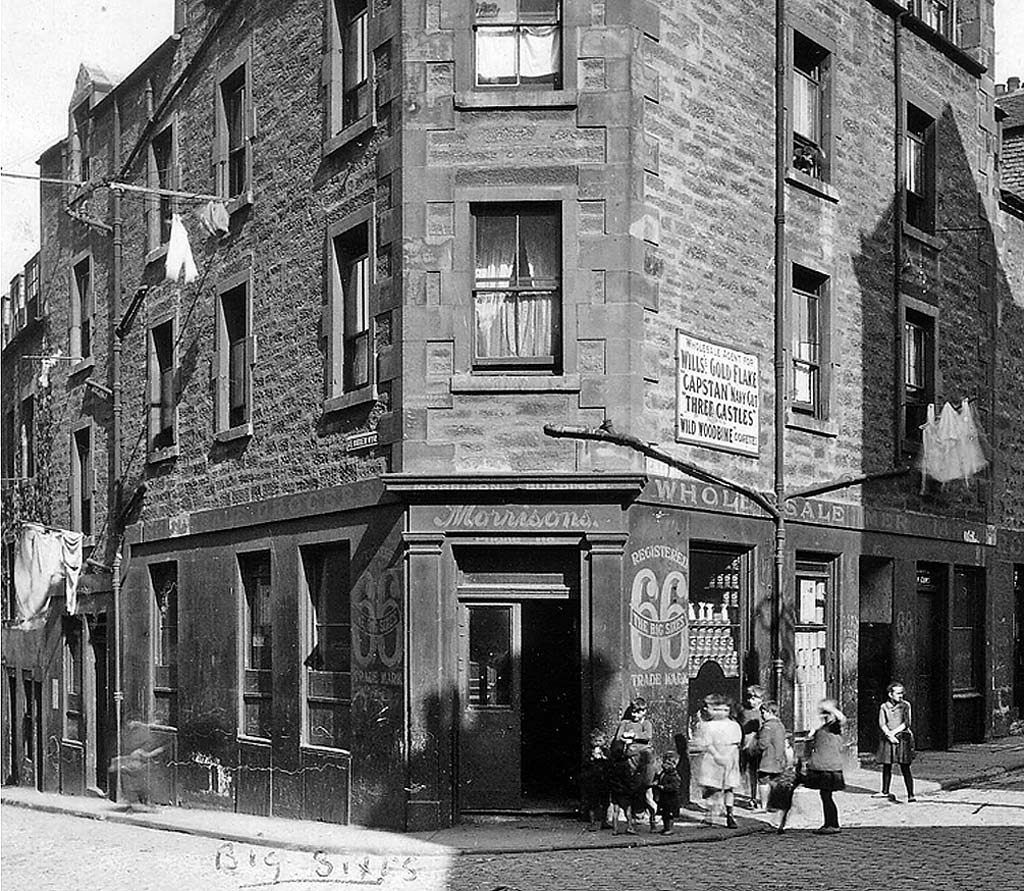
[(717, 397)]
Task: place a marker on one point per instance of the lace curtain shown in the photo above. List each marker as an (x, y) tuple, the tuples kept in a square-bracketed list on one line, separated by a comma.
[(532, 51)]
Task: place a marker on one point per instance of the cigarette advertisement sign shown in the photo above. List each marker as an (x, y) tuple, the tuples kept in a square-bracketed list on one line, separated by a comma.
[(717, 396)]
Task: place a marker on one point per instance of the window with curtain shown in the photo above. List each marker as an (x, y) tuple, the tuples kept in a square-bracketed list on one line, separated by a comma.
[(934, 13), (518, 43), (82, 309), (810, 106), (235, 122), (257, 643), (517, 297)]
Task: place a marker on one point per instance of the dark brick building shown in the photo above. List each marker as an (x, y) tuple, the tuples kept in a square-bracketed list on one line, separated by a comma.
[(351, 577)]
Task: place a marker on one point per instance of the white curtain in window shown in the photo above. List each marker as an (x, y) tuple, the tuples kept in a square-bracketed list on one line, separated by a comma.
[(496, 55), (915, 165), (539, 52), (805, 107), (540, 238), (495, 249), (514, 325)]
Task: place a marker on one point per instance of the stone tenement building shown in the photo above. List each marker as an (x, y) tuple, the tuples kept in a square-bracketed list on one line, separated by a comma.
[(336, 565)]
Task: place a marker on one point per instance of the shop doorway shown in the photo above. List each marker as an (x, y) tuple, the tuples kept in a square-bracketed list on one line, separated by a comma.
[(929, 683), (519, 679), (98, 757), (875, 646)]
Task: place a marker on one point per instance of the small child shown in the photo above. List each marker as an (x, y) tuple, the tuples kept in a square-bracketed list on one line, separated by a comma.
[(594, 783), (668, 784)]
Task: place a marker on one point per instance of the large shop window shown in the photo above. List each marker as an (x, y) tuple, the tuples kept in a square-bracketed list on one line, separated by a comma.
[(718, 582), (518, 43), (163, 579), (257, 644), (73, 726), (328, 646), (517, 298), (811, 107), (811, 645), (968, 630)]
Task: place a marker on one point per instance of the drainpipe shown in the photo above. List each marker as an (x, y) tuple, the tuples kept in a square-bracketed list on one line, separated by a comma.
[(781, 163), (114, 498), (897, 232)]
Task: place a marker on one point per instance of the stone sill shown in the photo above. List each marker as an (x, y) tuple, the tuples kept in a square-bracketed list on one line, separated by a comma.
[(344, 137), (812, 425), (348, 400), (472, 100), (933, 241), (809, 184), (232, 433), (85, 364), (515, 383), (157, 456), (239, 202), (156, 254)]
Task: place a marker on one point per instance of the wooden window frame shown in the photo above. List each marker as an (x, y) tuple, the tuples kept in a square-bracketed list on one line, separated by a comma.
[(224, 429), (551, 365), (979, 597), (800, 278), (241, 61), (158, 207), (925, 316), (81, 138), (826, 568), (164, 674), (318, 686), (83, 311), (816, 160), (161, 446), (82, 480), (920, 205), (339, 393), (73, 712), (254, 684)]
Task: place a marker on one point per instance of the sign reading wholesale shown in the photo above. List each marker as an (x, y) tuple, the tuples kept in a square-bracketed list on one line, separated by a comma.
[(716, 396)]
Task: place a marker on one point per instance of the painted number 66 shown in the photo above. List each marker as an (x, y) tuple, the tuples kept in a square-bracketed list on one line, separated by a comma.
[(657, 631)]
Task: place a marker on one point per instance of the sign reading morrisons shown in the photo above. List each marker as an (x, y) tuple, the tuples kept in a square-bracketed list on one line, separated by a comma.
[(716, 396)]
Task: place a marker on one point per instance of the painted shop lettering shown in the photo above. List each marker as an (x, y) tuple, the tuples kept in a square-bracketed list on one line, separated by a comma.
[(470, 517), (655, 552)]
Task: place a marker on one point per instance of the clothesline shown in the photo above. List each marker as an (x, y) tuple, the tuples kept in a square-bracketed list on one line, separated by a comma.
[(122, 187)]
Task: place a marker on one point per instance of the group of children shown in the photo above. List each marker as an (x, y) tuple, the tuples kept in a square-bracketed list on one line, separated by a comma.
[(729, 747)]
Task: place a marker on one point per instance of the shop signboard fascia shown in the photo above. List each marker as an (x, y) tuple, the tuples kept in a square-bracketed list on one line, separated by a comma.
[(682, 492), (717, 396), (516, 519)]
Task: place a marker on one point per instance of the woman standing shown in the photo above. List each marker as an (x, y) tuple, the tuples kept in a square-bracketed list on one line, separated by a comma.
[(824, 770), (897, 743)]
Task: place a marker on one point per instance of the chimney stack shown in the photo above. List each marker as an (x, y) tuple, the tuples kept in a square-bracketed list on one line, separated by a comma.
[(1012, 84)]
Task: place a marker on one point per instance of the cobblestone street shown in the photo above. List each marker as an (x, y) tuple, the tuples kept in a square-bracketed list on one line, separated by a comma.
[(971, 838)]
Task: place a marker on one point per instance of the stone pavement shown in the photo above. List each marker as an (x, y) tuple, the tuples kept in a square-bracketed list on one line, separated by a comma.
[(933, 771)]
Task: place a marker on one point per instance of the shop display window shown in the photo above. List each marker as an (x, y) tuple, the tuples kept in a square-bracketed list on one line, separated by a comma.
[(812, 610)]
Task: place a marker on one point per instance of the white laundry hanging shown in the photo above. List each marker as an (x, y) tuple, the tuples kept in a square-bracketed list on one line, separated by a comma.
[(951, 446), (47, 562), (179, 254)]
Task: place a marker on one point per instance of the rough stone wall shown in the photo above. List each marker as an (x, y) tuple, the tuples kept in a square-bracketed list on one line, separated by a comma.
[(281, 239)]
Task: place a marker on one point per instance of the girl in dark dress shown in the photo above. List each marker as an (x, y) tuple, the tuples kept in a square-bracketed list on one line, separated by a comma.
[(824, 770), (897, 742)]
